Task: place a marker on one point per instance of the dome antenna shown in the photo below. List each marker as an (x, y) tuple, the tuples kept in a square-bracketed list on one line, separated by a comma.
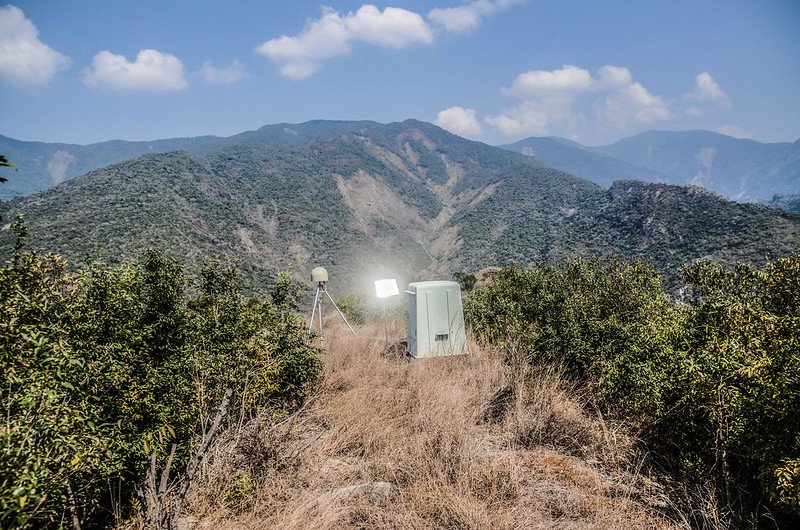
[(320, 276)]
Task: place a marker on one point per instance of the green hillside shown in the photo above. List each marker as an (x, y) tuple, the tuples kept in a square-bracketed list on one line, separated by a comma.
[(561, 217)]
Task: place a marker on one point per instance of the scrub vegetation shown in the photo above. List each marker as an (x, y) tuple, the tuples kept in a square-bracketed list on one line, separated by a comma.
[(710, 386), (110, 378), (144, 391), (589, 399), (477, 441), (140, 396)]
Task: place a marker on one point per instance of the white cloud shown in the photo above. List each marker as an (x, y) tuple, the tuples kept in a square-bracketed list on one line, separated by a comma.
[(152, 70), (222, 76), (542, 82), (466, 17), (707, 90), (564, 100), (334, 34), (392, 28), (529, 118), (612, 77), (735, 131), (540, 118), (455, 19), (459, 120), (24, 59), (631, 103)]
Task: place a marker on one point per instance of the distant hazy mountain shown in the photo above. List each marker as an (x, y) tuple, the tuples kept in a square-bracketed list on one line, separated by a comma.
[(580, 160), (42, 165), (738, 169), (407, 199), (787, 202)]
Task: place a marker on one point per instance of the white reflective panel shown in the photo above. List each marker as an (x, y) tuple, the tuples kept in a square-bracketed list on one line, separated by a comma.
[(386, 288)]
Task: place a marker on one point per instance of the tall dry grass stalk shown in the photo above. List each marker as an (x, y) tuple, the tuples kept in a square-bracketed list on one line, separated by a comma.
[(457, 442)]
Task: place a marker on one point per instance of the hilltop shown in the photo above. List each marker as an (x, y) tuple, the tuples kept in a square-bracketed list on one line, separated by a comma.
[(460, 442)]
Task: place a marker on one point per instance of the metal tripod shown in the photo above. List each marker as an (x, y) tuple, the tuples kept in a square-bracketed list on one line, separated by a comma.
[(321, 288)]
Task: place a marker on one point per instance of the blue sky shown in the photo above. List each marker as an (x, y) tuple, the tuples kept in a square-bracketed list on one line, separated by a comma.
[(492, 70)]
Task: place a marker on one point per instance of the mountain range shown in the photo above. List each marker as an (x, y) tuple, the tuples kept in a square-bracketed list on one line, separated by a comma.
[(367, 200), (739, 169), (787, 202), (48, 164)]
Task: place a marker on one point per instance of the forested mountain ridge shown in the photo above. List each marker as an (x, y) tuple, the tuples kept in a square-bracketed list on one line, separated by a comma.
[(48, 164), (739, 169), (407, 199), (665, 225)]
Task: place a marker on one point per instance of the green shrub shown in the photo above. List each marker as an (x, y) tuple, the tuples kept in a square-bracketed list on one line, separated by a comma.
[(102, 368), (354, 307), (713, 384), (743, 377), (613, 325)]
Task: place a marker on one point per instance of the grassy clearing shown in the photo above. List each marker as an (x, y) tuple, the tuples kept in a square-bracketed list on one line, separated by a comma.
[(461, 442)]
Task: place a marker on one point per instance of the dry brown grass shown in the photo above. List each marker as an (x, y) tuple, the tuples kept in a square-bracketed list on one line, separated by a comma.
[(461, 442)]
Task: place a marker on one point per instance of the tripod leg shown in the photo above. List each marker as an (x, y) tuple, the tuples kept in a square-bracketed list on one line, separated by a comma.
[(313, 313), (321, 329), (340, 313)]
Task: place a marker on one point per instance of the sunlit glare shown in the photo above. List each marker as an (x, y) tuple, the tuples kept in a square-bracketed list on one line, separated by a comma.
[(386, 288)]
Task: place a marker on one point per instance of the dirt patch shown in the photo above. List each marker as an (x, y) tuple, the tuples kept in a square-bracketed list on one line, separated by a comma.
[(484, 194), (244, 236), (374, 204), (419, 136), (391, 159)]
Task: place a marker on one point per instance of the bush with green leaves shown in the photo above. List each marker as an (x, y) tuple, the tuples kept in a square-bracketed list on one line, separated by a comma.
[(104, 367), (714, 384), (355, 308), (612, 325), (741, 378), (54, 439)]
